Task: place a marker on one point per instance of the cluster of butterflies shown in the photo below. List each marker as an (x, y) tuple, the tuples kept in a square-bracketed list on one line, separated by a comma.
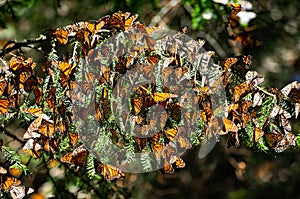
[(246, 110), (240, 37), (13, 185), (52, 116)]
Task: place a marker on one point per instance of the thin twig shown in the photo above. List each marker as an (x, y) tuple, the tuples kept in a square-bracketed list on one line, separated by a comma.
[(12, 45)]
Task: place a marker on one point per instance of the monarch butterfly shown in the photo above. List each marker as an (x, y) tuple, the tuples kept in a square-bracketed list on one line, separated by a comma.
[(228, 62), (175, 163), (8, 182), (146, 129), (18, 192), (294, 95), (65, 67), (257, 99), (34, 84), (61, 36), (4, 103), (83, 36), (171, 133), (136, 104), (49, 144), (109, 172), (62, 126), (148, 43), (118, 19), (229, 125), (2, 87), (244, 105), (78, 157), (284, 122), (97, 112), (140, 143), (246, 39), (231, 108), (153, 59), (51, 98), (174, 111), (191, 117), (179, 163), (156, 143), (233, 21), (87, 85), (21, 78), (129, 21), (151, 30), (236, 8), (279, 141), (258, 133), (105, 108), (8, 89), (46, 128), (161, 119), (288, 88), (33, 148), (168, 168), (104, 76), (245, 118), (158, 97), (240, 90), (19, 64), (73, 139), (95, 27), (275, 111), (34, 126), (252, 77), (121, 21)]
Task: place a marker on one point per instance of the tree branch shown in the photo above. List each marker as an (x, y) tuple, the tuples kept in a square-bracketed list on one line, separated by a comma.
[(6, 132), (12, 45)]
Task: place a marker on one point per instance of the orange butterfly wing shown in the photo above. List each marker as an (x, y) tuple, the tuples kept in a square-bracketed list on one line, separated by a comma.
[(110, 172), (229, 125), (129, 21), (8, 182), (65, 67), (137, 104), (258, 133), (158, 97), (78, 157), (32, 148), (2, 87), (47, 129), (73, 139), (171, 133), (61, 36), (4, 103)]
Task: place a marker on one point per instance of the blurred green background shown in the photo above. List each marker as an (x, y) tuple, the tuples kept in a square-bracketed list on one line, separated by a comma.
[(224, 173)]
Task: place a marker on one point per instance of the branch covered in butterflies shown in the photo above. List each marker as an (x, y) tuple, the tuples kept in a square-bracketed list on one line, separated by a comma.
[(254, 117)]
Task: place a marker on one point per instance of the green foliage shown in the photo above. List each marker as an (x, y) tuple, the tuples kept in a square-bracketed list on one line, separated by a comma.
[(14, 159)]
